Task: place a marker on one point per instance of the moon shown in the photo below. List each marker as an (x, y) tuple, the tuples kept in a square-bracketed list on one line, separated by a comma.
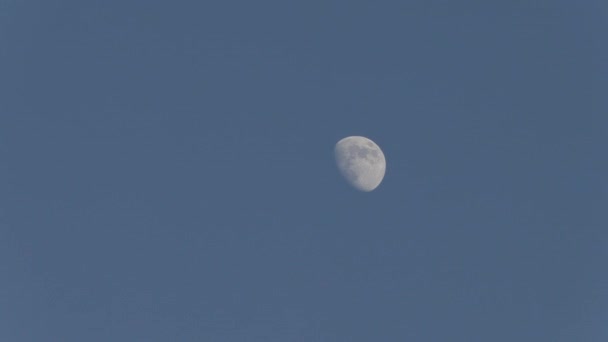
[(361, 162)]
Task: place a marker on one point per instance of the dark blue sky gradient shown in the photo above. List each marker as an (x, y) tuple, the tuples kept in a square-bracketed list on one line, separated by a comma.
[(167, 171)]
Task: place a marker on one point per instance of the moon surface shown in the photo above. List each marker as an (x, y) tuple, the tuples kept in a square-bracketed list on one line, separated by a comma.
[(361, 162)]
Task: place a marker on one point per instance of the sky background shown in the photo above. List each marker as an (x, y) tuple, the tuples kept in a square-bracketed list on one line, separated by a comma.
[(167, 171)]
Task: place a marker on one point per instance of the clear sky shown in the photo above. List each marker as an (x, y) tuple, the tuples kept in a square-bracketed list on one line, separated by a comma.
[(167, 171)]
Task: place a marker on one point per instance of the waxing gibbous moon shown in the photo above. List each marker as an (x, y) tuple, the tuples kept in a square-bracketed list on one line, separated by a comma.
[(361, 162)]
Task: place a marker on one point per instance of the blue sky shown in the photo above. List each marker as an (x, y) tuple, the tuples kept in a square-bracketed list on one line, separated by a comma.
[(167, 171)]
